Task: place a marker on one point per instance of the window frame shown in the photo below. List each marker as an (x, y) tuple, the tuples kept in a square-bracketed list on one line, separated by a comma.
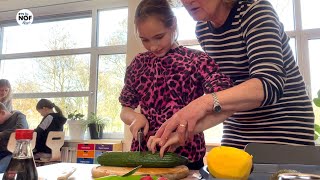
[(54, 12), (302, 37)]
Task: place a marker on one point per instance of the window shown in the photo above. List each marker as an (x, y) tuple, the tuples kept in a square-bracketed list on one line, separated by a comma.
[(113, 27), (110, 82), (186, 25), (314, 55), (48, 74), (57, 35), (293, 46), (50, 67), (310, 13), (28, 107), (111, 68), (59, 60), (284, 9)]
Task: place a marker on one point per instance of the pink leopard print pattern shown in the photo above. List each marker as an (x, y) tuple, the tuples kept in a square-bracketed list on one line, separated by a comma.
[(162, 86)]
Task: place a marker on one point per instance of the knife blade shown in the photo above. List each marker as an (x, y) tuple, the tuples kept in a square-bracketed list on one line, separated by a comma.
[(140, 136), (132, 171)]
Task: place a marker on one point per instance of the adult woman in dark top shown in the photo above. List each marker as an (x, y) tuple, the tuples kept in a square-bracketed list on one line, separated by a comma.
[(51, 121), (269, 102), (9, 122)]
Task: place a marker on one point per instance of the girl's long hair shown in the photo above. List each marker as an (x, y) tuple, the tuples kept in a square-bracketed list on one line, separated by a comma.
[(3, 107), (155, 8), (159, 9), (48, 104)]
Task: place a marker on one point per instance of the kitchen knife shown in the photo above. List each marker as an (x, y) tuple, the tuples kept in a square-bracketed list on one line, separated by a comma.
[(132, 171), (140, 136)]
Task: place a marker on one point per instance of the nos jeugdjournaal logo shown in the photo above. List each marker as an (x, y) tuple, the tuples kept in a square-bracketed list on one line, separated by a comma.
[(24, 17)]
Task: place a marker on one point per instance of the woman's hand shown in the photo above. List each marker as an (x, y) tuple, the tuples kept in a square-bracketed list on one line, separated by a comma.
[(173, 141), (185, 120), (171, 145), (140, 121)]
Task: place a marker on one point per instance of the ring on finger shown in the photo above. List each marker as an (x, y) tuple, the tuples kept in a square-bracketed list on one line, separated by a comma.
[(182, 125)]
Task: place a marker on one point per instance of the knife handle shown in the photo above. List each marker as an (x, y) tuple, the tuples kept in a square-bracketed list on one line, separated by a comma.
[(66, 174), (140, 136)]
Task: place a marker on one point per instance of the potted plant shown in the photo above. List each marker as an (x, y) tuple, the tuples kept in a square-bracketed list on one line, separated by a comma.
[(96, 124), (76, 124), (75, 116), (316, 101)]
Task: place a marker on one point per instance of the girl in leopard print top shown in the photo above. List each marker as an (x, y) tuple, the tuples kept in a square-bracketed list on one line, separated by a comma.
[(165, 79)]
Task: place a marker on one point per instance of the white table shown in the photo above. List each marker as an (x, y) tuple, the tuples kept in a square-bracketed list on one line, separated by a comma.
[(83, 172), (52, 171)]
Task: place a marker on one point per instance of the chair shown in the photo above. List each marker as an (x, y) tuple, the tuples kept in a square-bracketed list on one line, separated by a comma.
[(12, 141), (55, 141)]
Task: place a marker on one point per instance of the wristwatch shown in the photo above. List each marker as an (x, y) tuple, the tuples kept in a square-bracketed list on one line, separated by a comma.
[(216, 105)]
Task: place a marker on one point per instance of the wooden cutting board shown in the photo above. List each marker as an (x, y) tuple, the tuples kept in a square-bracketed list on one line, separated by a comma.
[(177, 172)]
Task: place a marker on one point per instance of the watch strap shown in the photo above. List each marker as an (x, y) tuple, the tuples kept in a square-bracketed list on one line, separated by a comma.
[(216, 104)]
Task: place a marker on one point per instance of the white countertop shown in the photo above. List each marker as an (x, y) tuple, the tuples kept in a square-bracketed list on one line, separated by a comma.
[(52, 171), (83, 171)]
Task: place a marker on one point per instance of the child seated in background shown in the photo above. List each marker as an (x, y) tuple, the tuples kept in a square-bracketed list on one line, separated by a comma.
[(51, 121)]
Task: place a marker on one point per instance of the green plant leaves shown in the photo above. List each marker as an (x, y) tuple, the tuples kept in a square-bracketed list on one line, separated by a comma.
[(93, 118), (316, 131), (75, 116), (316, 101)]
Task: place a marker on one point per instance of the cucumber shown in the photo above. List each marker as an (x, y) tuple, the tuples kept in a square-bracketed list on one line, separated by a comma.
[(146, 159)]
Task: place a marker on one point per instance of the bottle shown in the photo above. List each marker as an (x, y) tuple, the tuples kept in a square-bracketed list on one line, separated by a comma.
[(22, 166)]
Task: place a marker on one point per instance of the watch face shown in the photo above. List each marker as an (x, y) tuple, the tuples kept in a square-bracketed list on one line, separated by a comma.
[(217, 108)]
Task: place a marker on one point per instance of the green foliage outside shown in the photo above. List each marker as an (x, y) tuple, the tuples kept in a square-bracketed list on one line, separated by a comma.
[(71, 74), (316, 102)]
